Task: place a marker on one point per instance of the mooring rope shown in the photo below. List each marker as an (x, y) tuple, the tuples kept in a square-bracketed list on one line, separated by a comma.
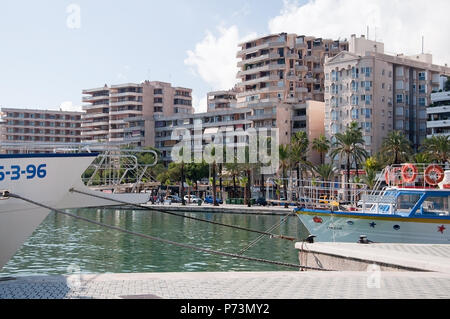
[(6, 195), (260, 237), (184, 216)]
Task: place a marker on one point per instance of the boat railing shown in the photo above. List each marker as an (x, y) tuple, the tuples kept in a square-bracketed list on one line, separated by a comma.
[(120, 171), (417, 175), (319, 194)]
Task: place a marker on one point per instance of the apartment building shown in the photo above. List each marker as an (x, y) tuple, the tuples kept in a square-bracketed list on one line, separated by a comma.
[(126, 113), (379, 91), (278, 74), (438, 122), (217, 124), (222, 100), (41, 130), (207, 124)]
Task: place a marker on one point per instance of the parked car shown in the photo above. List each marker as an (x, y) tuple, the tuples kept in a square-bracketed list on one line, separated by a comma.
[(261, 201), (193, 199), (209, 200), (174, 198)]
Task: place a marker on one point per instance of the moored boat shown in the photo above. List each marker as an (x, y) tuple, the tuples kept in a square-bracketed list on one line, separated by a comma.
[(412, 208), (46, 179)]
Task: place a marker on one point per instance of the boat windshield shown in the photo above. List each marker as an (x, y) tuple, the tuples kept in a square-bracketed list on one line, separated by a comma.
[(435, 206), (406, 202)]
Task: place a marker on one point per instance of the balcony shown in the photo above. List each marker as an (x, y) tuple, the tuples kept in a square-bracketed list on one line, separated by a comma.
[(311, 80), (301, 90), (260, 117), (125, 112), (442, 123), (93, 107), (95, 133), (318, 69), (259, 59), (125, 103), (301, 68), (117, 130), (125, 94), (95, 98), (88, 116), (312, 58), (300, 45), (94, 124)]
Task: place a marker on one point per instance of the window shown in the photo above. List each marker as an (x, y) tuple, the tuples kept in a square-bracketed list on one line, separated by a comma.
[(422, 101), (422, 76), (399, 111), (436, 205), (422, 88), (399, 98), (355, 114), (405, 202)]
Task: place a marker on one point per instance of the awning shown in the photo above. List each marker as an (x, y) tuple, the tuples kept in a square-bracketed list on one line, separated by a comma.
[(211, 130)]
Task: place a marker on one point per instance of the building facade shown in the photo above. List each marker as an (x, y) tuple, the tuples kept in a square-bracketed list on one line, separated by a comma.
[(222, 100), (42, 130), (126, 113), (439, 115), (380, 92), (279, 74)]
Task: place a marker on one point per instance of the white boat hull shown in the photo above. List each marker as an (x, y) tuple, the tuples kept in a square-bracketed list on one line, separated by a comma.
[(19, 219), (329, 227)]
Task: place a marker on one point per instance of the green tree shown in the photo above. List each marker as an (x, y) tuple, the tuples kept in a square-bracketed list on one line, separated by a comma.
[(321, 145), (396, 147), (285, 162), (348, 145), (326, 172), (437, 148)]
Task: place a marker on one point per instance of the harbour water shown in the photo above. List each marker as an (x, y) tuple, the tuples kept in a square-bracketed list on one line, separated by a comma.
[(62, 244)]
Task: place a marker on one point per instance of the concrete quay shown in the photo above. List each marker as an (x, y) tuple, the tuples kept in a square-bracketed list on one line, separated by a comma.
[(233, 285), (224, 208), (387, 257)]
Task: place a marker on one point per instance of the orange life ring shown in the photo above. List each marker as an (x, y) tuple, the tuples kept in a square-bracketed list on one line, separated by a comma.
[(434, 174), (409, 173), (393, 175)]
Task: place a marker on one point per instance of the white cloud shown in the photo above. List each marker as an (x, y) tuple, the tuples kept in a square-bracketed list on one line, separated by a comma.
[(214, 58), (399, 24), (68, 106), (200, 104)]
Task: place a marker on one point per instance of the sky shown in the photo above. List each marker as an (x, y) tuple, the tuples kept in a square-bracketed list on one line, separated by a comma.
[(50, 50)]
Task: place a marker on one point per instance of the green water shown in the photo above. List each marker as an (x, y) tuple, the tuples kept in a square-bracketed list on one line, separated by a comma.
[(61, 241)]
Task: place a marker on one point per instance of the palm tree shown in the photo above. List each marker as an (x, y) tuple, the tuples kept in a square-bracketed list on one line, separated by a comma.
[(233, 170), (437, 148), (350, 146), (370, 178), (397, 147), (326, 172), (359, 153), (321, 145), (285, 161)]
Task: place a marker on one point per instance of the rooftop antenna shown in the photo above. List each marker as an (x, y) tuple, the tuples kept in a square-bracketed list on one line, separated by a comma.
[(367, 32)]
